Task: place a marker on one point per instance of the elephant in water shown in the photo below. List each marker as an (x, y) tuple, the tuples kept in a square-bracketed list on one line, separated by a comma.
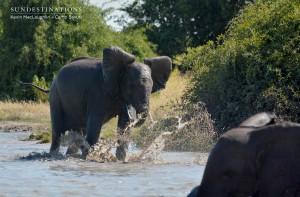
[(260, 158), (88, 92)]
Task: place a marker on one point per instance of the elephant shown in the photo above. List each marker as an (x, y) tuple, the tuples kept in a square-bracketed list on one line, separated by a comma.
[(260, 158), (89, 91)]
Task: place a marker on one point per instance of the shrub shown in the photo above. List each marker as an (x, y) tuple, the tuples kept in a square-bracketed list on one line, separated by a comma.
[(253, 67)]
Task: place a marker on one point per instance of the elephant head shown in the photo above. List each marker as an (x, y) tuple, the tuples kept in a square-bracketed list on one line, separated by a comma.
[(134, 81), (141, 80)]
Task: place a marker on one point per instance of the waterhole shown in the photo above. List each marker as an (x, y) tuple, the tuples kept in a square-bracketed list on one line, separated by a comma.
[(169, 174)]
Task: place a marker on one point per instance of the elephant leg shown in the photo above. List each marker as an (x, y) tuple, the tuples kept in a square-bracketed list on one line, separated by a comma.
[(58, 127), (57, 122), (123, 135), (56, 139), (122, 148), (93, 131)]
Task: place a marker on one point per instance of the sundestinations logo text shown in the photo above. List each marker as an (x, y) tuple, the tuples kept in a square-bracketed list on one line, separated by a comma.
[(43, 12)]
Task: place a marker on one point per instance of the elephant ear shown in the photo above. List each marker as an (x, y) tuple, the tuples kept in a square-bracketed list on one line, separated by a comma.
[(113, 62), (161, 68)]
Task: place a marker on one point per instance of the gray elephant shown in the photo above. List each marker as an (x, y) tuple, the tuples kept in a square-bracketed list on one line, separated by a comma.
[(88, 92), (260, 158)]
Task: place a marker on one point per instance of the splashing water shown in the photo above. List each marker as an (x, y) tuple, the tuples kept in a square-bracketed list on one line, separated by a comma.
[(102, 150), (156, 147)]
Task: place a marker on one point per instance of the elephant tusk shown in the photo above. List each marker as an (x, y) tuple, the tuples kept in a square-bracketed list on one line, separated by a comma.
[(128, 113)]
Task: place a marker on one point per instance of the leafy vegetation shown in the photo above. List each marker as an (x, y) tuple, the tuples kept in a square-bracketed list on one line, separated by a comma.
[(34, 50), (253, 67), (176, 25)]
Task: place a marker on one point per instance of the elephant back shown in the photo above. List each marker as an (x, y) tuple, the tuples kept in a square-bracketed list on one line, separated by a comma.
[(259, 120), (85, 58)]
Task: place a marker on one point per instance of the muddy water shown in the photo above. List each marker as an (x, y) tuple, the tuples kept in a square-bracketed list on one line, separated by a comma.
[(172, 174)]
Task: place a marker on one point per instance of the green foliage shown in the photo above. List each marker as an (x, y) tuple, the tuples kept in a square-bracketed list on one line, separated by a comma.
[(42, 47), (1, 25), (253, 67), (175, 25)]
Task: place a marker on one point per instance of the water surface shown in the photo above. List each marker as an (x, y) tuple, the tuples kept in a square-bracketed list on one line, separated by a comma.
[(173, 174)]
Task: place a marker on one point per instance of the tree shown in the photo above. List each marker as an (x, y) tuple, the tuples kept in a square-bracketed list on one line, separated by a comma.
[(174, 25), (41, 47)]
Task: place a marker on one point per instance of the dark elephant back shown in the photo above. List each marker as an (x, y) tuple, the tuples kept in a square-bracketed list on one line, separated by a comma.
[(74, 83), (79, 75), (86, 58)]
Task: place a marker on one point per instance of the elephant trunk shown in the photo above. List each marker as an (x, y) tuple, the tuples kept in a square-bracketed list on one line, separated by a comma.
[(142, 113)]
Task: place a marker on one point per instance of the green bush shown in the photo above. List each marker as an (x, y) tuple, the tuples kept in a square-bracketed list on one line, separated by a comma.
[(253, 67)]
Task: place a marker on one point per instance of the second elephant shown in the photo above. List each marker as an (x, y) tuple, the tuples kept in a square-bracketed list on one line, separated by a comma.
[(259, 158)]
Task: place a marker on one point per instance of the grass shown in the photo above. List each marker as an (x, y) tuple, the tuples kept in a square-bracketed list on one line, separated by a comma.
[(25, 112), (170, 95), (29, 115)]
